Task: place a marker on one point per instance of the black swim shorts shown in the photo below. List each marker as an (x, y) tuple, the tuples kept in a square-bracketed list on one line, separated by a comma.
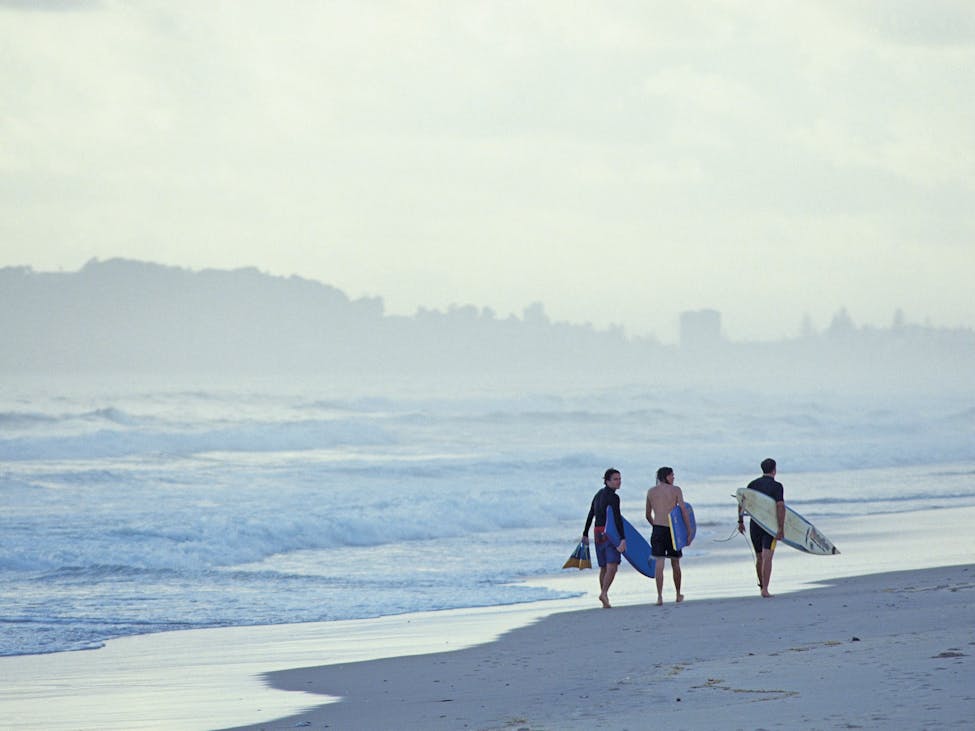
[(662, 544), (762, 540)]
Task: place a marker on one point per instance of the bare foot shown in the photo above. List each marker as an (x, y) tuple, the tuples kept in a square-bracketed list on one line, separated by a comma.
[(680, 598), (605, 600), (766, 595), (660, 601)]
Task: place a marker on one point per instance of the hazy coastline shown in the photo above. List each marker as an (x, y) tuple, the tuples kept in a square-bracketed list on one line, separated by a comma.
[(129, 317)]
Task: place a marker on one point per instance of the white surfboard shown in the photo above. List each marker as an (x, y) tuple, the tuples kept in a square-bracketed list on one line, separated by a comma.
[(799, 532)]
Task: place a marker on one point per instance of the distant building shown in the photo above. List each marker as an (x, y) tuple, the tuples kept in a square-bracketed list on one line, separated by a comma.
[(700, 329)]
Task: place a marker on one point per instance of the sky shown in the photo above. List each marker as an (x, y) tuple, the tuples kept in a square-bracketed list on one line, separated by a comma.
[(620, 162)]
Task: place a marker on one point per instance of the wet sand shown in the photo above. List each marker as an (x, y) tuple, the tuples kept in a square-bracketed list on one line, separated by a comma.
[(723, 649), (891, 651)]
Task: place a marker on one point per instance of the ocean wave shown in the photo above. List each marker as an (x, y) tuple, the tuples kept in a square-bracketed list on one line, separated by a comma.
[(953, 473), (253, 437), (21, 419), (878, 497), (112, 415), (32, 418), (364, 405), (211, 507), (97, 572)]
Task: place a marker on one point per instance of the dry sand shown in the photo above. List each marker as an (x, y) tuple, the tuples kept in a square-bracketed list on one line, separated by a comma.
[(885, 651)]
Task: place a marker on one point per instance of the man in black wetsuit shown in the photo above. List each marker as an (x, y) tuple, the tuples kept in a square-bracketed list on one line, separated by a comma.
[(607, 555), (762, 541)]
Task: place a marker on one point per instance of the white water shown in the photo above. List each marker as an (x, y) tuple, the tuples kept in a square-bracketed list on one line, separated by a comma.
[(133, 507)]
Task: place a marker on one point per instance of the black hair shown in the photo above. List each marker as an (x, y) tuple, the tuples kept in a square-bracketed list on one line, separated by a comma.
[(663, 473), (609, 473), (768, 466)]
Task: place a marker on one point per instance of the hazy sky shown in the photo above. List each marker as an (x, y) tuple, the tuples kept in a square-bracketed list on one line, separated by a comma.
[(618, 161)]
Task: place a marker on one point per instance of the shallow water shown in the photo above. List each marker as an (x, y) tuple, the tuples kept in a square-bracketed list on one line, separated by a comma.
[(133, 507)]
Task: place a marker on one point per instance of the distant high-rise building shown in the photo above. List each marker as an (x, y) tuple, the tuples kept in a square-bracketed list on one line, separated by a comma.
[(700, 329)]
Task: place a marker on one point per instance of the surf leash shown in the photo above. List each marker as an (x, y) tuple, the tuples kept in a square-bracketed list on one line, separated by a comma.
[(725, 540)]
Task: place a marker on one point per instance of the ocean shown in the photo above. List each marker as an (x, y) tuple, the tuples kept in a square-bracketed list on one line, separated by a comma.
[(133, 505)]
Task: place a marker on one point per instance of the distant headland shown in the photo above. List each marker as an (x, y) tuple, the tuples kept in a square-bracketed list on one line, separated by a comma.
[(131, 316)]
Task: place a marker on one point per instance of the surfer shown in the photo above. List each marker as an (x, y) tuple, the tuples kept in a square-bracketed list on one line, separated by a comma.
[(762, 540), (661, 499), (607, 555)]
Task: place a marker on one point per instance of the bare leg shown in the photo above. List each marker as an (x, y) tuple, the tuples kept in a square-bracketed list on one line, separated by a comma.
[(766, 574), (675, 565), (606, 581), (658, 575)]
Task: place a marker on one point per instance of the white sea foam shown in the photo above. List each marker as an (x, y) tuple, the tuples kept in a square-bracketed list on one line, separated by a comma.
[(131, 510)]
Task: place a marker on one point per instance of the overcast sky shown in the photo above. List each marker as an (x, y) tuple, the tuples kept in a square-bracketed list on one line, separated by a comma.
[(618, 161)]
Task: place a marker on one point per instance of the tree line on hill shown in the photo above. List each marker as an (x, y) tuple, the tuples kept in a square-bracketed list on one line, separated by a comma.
[(130, 316)]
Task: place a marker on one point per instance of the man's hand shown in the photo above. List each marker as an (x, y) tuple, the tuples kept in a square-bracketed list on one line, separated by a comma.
[(622, 547), (585, 539)]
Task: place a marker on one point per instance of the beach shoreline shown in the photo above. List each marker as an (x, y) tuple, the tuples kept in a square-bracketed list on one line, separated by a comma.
[(559, 664), (891, 650), (204, 679)]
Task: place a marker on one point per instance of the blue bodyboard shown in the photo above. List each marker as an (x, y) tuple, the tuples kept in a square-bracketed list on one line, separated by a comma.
[(637, 549), (678, 531)]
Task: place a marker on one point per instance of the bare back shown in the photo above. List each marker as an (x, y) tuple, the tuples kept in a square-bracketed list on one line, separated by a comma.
[(661, 499)]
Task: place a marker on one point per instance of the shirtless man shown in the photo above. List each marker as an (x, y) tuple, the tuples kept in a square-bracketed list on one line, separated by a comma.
[(661, 499)]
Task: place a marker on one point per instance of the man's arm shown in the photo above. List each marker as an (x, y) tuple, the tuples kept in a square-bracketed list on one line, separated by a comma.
[(585, 531), (780, 516)]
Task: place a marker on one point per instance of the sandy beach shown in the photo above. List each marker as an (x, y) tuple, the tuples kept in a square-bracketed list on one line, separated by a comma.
[(872, 638), (891, 651)]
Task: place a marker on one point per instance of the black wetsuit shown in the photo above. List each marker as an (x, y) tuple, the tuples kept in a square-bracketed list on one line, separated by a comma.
[(767, 485), (597, 511)]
